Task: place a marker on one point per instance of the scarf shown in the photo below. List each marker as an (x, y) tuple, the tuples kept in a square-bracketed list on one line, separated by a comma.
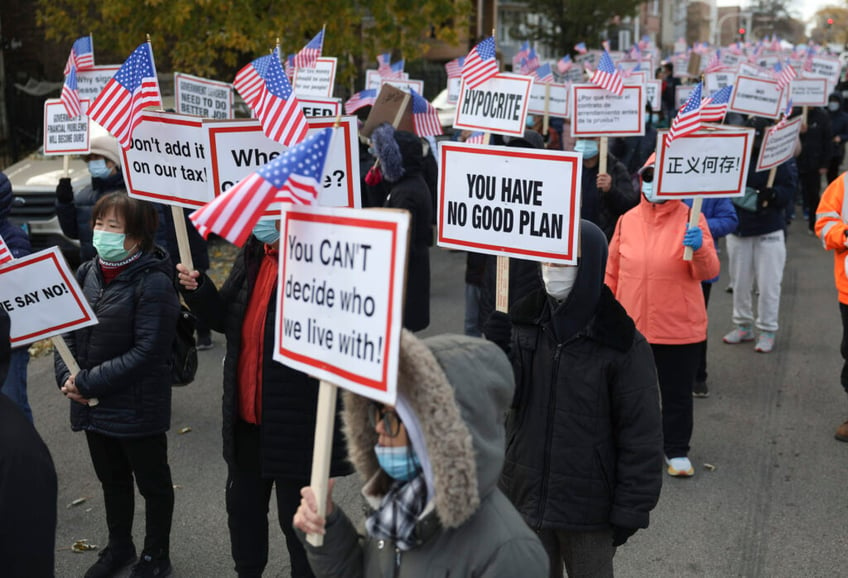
[(398, 513)]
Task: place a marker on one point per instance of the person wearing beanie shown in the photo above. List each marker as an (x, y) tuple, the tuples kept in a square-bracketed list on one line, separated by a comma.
[(430, 465)]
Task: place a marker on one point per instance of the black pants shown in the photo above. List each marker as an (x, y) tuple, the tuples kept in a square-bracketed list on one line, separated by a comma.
[(834, 168), (248, 496), (676, 366), (811, 189), (701, 374), (843, 310), (115, 461)]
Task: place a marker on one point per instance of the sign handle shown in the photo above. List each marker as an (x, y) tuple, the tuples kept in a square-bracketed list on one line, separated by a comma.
[(804, 115), (694, 217), (771, 177), (322, 452), (602, 161), (401, 110), (502, 285), (546, 118), (68, 359), (66, 165), (182, 236)]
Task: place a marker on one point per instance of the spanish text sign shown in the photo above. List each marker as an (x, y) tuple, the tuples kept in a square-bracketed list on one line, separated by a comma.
[(756, 96), (708, 163), (341, 294), (64, 135), (508, 201), (42, 297), (202, 97), (499, 105), (599, 112), (779, 144)]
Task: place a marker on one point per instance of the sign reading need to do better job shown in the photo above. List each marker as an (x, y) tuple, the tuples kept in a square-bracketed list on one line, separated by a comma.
[(509, 201), (64, 135), (598, 112), (42, 297), (499, 105), (341, 289), (202, 97)]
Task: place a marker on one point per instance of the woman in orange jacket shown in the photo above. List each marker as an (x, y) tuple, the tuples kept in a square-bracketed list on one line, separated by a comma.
[(662, 293)]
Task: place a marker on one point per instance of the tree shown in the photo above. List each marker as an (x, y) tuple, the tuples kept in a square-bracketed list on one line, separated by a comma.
[(834, 32), (215, 38), (775, 17), (567, 22)]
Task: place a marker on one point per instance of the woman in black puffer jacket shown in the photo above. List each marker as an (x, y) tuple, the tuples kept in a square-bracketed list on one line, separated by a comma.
[(125, 365)]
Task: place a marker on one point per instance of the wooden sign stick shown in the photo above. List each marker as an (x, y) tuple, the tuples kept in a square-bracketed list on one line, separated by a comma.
[(70, 362), (694, 217), (602, 161), (182, 236), (322, 451), (546, 118)]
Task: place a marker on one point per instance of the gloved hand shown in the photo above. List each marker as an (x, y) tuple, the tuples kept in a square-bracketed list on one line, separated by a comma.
[(766, 197), (64, 191), (620, 535), (693, 238), (374, 176), (498, 330)]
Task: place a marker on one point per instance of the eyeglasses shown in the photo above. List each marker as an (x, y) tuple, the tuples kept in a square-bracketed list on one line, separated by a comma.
[(391, 421), (648, 175)]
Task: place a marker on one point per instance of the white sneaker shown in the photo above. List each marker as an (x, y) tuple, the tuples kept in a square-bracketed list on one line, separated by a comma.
[(679, 467)]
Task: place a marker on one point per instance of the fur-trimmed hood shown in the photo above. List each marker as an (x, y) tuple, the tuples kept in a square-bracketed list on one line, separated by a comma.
[(459, 389), (400, 152)]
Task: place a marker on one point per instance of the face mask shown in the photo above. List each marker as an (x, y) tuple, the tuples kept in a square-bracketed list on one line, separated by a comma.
[(529, 121), (589, 148), (648, 191), (558, 281), (400, 463), (266, 232), (832, 106), (110, 246), (98, 169)]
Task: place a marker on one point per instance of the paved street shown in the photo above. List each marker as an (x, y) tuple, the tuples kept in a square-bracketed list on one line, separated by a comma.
[(772, 504)]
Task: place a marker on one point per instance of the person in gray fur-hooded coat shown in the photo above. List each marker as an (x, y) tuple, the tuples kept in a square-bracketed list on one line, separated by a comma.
[(442, 514)]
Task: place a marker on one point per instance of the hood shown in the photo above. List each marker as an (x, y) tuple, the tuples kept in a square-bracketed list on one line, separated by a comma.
[(459, 388), (399, 151), (838, 98), (5, 196)]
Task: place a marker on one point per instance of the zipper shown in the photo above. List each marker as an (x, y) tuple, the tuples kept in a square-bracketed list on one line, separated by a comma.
[(397, 562), (546, 464)]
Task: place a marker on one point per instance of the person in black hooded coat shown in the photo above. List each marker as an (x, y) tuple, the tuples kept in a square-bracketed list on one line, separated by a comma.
[(584, 455), (402, 165)]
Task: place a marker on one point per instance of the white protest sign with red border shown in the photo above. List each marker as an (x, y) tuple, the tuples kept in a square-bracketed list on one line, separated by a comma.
[(405, 84), (318, 107), (238, 147), (681, 94), (63, 135), (598, 112), (731, 59), (808, 92), (757, 96), (709, 163), (373, 79), (317, 81), (513, 202), (653, 94), (341, 294), (779, 144), (828, 67), (499, 105), (92, 80), (715, 81), (557, 99), (748, 69), (202, 97), (167, 161), (42, 297), (454, 83)]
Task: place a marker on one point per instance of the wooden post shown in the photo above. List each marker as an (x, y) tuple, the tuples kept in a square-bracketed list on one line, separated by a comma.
[(772, 175), (66, 165), (546, 118), (322, 452), (68, 358), (804, 115), (502, 285), (694, 217), (182, 236), (602, 154)]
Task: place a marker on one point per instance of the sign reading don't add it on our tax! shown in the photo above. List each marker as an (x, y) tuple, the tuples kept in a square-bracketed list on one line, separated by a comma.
[(499, 105), (64, 135), (202, 97)]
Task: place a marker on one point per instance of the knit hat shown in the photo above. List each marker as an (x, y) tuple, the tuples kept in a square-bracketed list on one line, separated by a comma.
[(530, 140), (106, 146)]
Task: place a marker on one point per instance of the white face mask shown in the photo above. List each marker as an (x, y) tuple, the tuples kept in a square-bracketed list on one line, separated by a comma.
[(832, 106), (558, 280)]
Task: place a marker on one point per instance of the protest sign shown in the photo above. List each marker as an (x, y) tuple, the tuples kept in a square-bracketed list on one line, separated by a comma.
[(828, 67), (715, 81), (808, 92), (341, 294), (694, 67), (318, 107), (557, 99), (731, 59), (747, 69), (509, 201), (779, 145), (599, 112), (317, 81), (42, 297), (499, 105), (681, 95), (167, 160), (393, 106), (653, 94), (574, 74), (590, 59), (92, 80), (405, 85), (756, 96), (63, 135), (373, 79), (202, 97), (238, 147), (709, 163), (453, 89), (680, 66), (768, 61)]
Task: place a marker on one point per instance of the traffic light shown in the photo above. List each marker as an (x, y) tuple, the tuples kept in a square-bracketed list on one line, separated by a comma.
[(742, 34), (829, 22)]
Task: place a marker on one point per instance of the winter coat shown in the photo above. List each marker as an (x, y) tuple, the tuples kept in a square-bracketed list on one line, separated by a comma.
[(585, 431), (604, 209), (75, 217), (458, 387), (721, 219), (648, 276), (633, 151), (772, 217), (832, 228), (14, 236), (523, 279), (289, 396), (838, 127), (125, 358), (816, 142)]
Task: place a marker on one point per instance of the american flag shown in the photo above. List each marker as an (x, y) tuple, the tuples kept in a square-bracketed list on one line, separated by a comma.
[(564, 64), (361, 99), (266, 90), (688, 119), (714, 65), (293, 177), (784, 74), (454, 67), (480, 64), (134, 87), (580, 47), (309, 54), (81, 56), (715, 107), (70, 96), (424, 116), (5, 254), (606, 76), (530, 64), (520, 55), (645, 42), (384, 63), (544, 74), (477, 137), (787, 112), (395, 71)]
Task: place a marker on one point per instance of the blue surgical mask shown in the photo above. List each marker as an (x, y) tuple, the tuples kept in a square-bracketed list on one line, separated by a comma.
[(530, 121), (589, 148), (266, 232), (110, 246), (400, 463), (98, 169), (648, 191)]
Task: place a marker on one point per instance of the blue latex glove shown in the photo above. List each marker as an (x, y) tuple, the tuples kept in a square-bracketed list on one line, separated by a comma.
[(693, 238)]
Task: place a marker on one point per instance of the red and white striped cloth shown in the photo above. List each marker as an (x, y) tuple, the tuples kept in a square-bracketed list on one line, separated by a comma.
[(5, 253)]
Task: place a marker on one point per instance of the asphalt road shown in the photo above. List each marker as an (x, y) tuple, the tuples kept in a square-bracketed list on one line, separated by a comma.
[(773, 502)]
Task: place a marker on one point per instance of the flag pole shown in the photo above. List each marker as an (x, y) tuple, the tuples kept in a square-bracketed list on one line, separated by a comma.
[(546, 118)]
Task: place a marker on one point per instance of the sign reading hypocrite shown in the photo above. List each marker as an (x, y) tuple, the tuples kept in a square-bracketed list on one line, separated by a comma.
[(508, 201), (499, 105), (599, 112), (202, 97), (42, 297), (63, 135), (341, 294)]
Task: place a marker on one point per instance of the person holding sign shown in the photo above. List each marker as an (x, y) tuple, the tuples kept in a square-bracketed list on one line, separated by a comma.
[(662, 292), (269, 408), (431, 463), (816, 151), (125, 364)]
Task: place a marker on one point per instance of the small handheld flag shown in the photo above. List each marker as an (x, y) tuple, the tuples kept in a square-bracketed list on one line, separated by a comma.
[(5, 254), (688, 120), (81, 56), (424, 117), (606, 75), (361, 99), (70, 96), (309, 54), (480, 64)]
